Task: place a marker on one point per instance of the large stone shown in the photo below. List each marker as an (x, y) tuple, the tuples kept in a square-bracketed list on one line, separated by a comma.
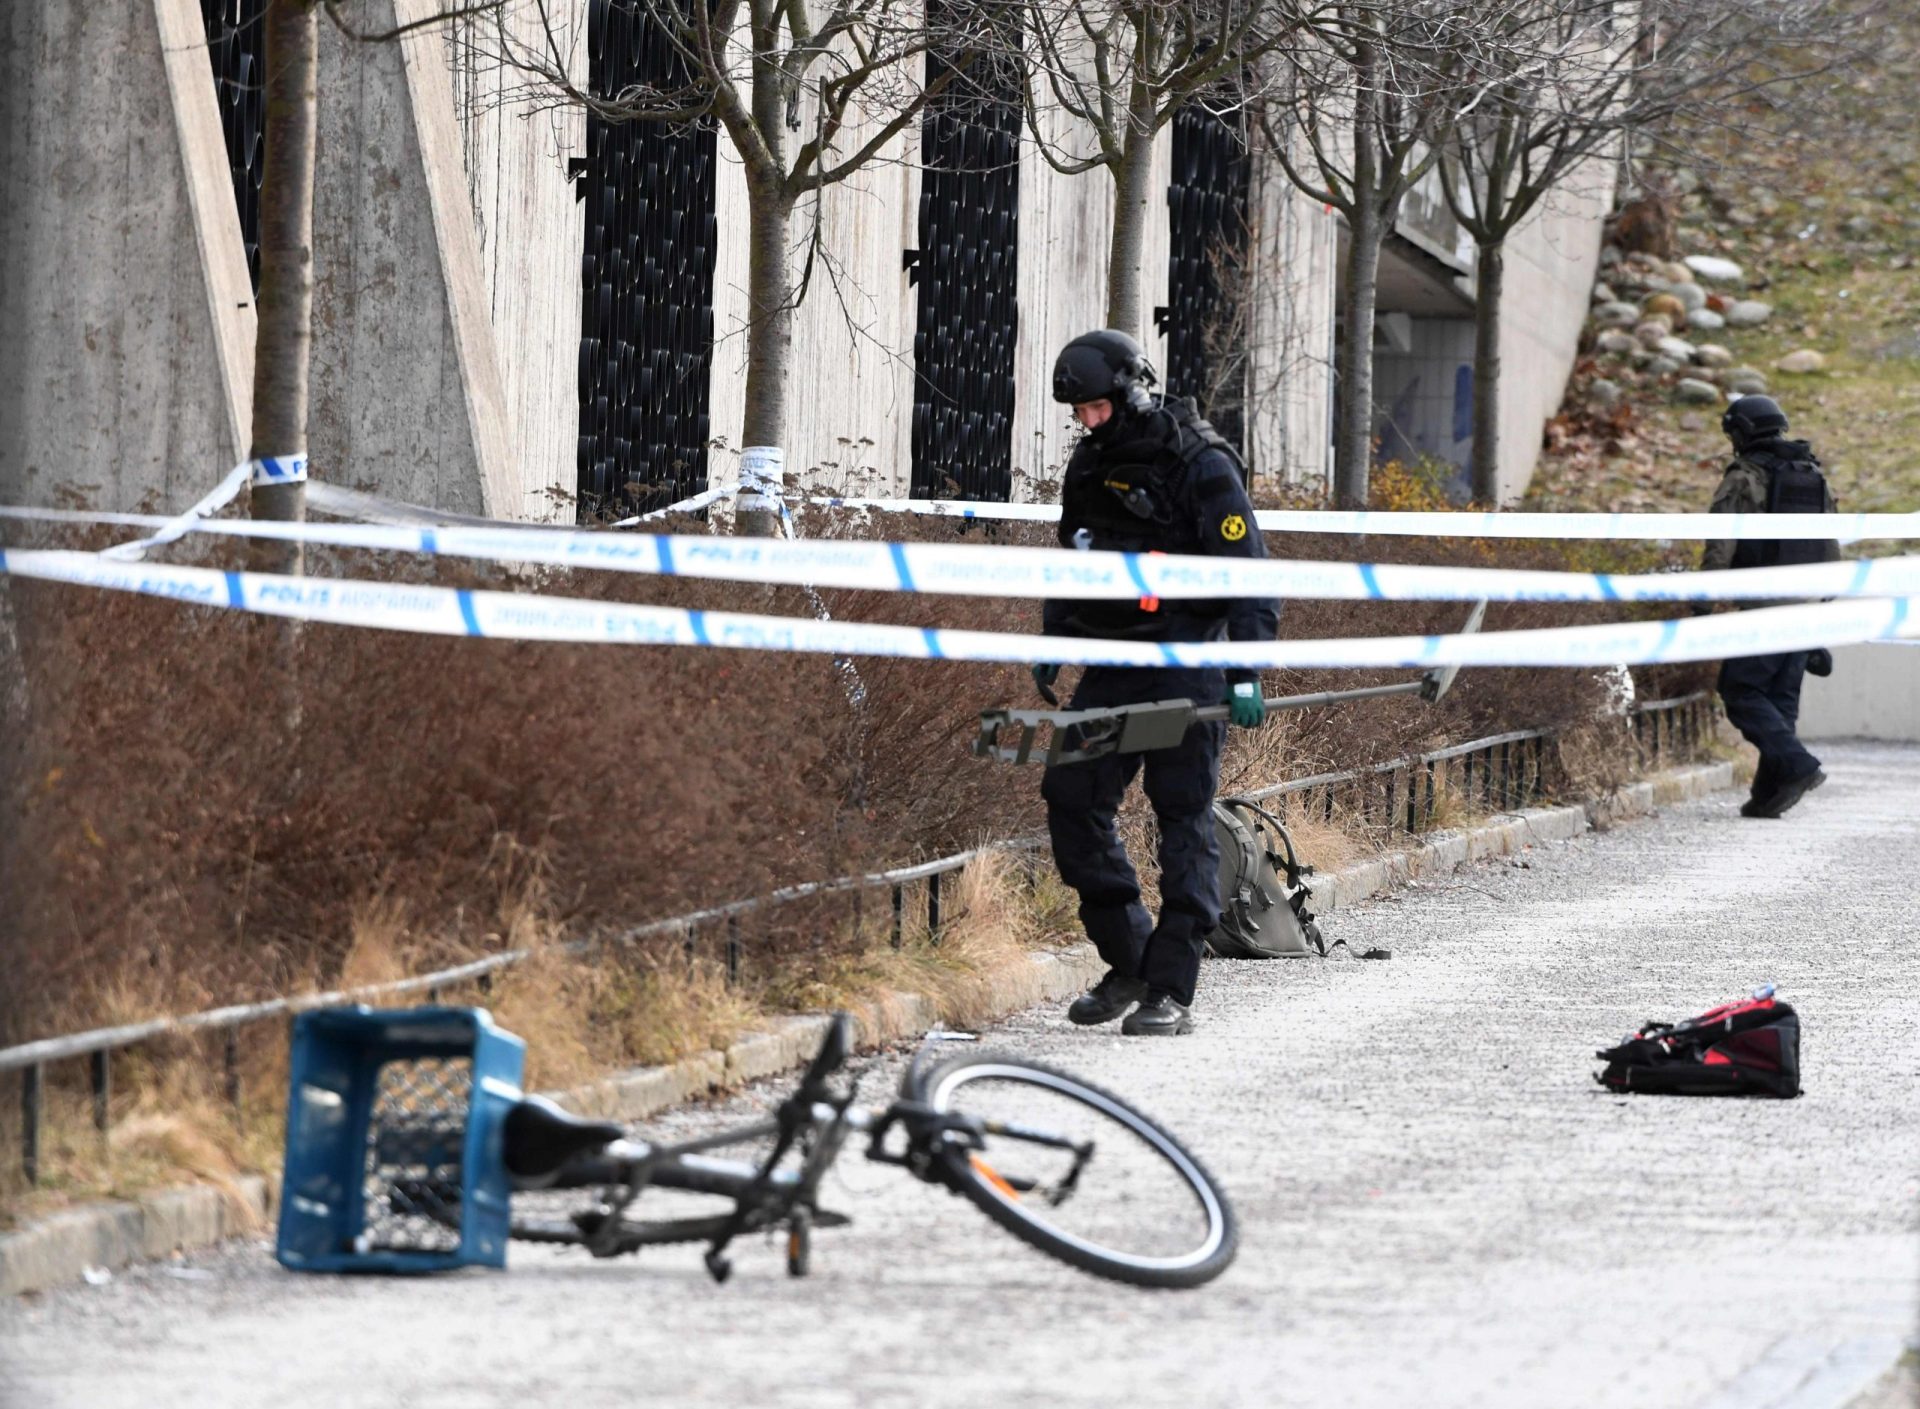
[(1711, 354), (1602, 392), (1602, 294), (1675, 272), (1694, 390), (1802, 362), (1616, 315), (1745, 381), (1615, 343), (1749, 313), (1712, 267), (1706, 320), (1661, 365), (1649, 331), (1666, 306), (1679, 349), (1692, 297)]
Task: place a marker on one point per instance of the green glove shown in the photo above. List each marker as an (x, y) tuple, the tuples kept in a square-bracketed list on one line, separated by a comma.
[(1245, 707), (1043, 678)]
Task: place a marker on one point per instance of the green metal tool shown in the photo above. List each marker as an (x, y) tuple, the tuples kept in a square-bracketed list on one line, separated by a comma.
[(1161, 724)]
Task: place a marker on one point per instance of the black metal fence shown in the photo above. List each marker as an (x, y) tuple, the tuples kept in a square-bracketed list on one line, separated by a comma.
[(651, 242), (236, 46), (1504, 772), (1207, 228), (967, 270)]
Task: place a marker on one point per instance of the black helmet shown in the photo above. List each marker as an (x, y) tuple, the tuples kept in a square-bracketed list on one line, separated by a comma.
[(1104, 364), (1750, 419)]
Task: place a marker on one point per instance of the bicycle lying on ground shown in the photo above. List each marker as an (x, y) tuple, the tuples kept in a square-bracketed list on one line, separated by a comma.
[(1066, 1167)]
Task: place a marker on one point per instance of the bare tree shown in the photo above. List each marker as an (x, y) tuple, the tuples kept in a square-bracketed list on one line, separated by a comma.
[(1358, 122), (1121, 70), (283, 347), (1566, 82), (809, 93)]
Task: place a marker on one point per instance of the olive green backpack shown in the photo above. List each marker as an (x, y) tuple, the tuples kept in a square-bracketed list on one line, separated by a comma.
[(1263, 898)]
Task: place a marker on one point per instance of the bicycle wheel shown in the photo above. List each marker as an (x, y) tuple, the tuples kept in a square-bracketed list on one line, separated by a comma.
[(1081, 1175)]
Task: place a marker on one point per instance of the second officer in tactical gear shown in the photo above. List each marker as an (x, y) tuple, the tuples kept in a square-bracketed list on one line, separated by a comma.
[(1770, 474), (1149, 476)]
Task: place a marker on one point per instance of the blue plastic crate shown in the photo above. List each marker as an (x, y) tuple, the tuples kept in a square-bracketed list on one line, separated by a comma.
[(394, 1122)]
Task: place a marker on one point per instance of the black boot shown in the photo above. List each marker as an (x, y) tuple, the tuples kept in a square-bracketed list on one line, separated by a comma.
[(1786, 795), (1106, 1000), (1158, 1016)]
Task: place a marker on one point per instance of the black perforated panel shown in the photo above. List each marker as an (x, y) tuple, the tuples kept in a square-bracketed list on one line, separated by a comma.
[(236, 41), (646, 345), (1208, 201), (968, 272)]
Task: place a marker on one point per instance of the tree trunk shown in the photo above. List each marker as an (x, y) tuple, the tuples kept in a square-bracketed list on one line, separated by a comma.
[(1353, 437), (1132, 203), (769, 340), (1486, 373), (284, 343)]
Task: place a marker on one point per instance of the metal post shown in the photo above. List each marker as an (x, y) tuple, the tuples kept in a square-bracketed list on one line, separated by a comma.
[(733, 948), (101, 1074), (898, 902), (933, 907), (687, 945), (231, 1061), (30, 1080)]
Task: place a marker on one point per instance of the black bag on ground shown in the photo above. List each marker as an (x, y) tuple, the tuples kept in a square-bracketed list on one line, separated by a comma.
[(1748, 1048), (1263, 900)]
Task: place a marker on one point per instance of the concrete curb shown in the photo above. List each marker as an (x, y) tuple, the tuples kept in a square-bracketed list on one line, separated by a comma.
[(63, 1246), (60, 1247)]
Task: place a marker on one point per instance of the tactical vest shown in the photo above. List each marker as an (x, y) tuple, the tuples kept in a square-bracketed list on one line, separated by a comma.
[(1794, 486), (1130, 494)]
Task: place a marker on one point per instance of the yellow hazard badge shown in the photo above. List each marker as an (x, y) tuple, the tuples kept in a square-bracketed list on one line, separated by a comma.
[(1233, 528)]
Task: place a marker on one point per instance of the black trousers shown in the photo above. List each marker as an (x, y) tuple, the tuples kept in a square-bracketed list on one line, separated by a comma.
[(1762, 696), (1081, 801)]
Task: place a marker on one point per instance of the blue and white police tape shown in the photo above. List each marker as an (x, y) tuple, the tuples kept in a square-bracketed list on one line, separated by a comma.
[(449, 611), (178, 526), (998, 570), (1847, 528), (278, 469)]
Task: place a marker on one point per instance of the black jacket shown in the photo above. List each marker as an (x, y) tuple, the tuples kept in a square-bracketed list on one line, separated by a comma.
[(1161, 481)]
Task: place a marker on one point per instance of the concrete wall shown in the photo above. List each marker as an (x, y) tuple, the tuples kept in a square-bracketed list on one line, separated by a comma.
[(850, 400), (530, 228), (407, 393), (1424, 396), (448, 301), (126, 367), (1873, 693), (1295, 253), (1551, 263)]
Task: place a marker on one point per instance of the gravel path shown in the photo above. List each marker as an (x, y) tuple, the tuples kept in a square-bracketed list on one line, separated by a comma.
[(1439, 1206)]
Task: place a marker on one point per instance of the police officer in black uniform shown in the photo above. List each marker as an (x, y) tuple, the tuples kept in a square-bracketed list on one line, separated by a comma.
[(1149, 476), (1773, 475)]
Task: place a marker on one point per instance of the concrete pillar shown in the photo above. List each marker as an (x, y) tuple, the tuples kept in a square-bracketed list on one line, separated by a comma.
[(408, 397), (126, 366)]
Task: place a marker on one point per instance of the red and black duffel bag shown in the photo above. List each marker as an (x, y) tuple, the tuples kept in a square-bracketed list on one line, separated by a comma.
[(1747, 1048)]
